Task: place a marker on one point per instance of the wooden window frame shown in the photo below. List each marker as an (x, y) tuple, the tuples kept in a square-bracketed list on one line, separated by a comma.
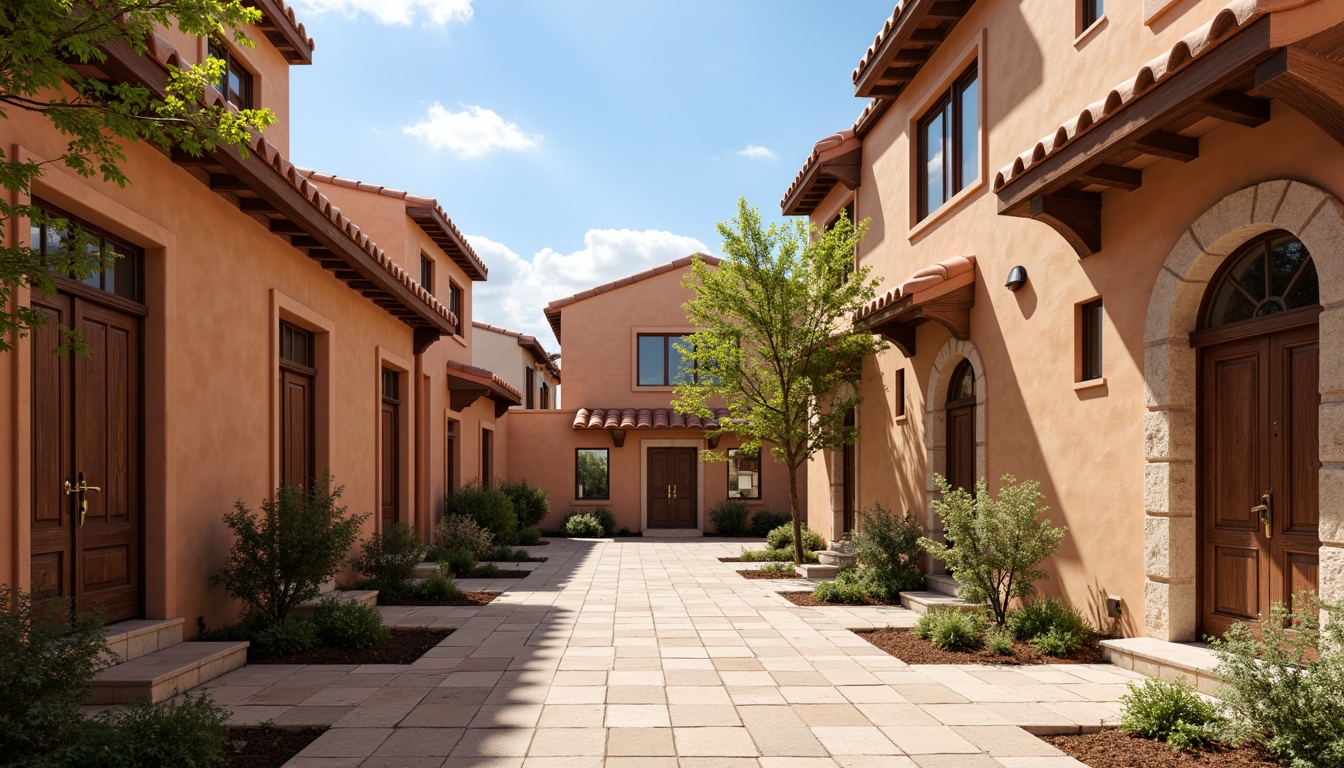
[(427, 273), (450, 450), (948, 106), (733, 458), (487, 456), (1089, 13), (530, 382), (577, 496), (545, 401), (900, 393), (1091, 347), (456, 302), (232, 65), (667, 359), (106, 241)]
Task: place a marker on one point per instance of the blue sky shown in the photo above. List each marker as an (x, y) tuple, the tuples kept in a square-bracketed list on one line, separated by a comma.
[(576, 142)]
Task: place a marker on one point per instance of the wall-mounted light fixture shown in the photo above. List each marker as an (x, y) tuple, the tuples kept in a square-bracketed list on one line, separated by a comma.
[(1017, 277)]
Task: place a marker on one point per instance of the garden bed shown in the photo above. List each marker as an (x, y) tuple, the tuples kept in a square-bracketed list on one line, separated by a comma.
[(1111, 748), (809, 600), (751, 573), (404, 647), (461, 599), (730, 559), (503, 574), (912, 650), (260, 747)]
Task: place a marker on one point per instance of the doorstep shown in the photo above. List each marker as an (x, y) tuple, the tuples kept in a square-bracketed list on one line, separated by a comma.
[(673, 533), (166, 673), (129, 640), (1149, 656), (928, 602)]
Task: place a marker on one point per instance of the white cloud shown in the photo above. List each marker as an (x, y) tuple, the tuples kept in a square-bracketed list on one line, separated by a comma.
[(756, 151), (518, 290), (401, 12), (473, 132)]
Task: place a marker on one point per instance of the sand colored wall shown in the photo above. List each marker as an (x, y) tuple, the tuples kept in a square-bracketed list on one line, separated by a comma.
[(501, 353), (1085, 444)]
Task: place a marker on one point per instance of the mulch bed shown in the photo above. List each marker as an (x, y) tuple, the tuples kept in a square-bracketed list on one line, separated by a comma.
[(808, 600), (462, 599), (266, 747), (912, 650), (755, 574), (1111, 748), (730, 559), (503, 574), (404, 647)]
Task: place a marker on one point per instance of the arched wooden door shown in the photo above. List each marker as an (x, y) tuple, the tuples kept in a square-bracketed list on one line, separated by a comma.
[(961, 428), (1258, 426)]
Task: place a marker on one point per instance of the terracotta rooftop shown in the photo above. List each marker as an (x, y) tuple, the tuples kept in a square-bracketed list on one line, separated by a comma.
[(284, 31), (923, 280), (425, 211), (553, 309), (644, 418), (524, 340), (482, 373), (812, 182), (909, 38), (1224, 25)]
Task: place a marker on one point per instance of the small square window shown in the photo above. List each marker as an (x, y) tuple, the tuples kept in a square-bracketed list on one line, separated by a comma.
[(1090, 328), (659, 361), (236, 82), (592, 474), (744, 474)]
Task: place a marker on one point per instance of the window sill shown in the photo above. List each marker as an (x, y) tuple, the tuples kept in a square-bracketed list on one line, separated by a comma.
[(944, 210), (1081, 386), (459, 340), (1087, 34), (903, 418)]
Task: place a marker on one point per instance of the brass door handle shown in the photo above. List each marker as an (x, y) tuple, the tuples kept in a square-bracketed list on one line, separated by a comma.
[(82, 489), (1264, 511), (669, 491), (674, 491)]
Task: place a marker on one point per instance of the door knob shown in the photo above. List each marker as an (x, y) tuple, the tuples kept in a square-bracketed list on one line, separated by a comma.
[(674, 491), (82, 488), (1264, 511)]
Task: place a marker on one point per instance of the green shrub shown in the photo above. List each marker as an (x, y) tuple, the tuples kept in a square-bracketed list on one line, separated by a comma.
[(439, 586), (507, 555), (996, 542), (763, 521), (887, 544), (283, 556), (487, 571), (529, 537), (782, 538), (1057, 619), (999, 642), (1283, 683), (489, 507), (849, 587), (776, 567), (1170, 711), (603, 516), (730, 518), (531, 503), (583, 527), (951, 630), (189, 731), (286, 636), (1056, 642), (457, 561), (775, 556), (349, 625), (461, 532), (389, 559)]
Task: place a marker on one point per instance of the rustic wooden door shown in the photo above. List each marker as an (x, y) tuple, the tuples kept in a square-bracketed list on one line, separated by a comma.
[(390, 470), (1258, 457), (659, 488), (685, 493), (296, 427), (86, 506), (848, 479), (961, 428)]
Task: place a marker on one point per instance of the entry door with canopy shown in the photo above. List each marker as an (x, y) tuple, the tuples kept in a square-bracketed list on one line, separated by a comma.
[(672, 487)]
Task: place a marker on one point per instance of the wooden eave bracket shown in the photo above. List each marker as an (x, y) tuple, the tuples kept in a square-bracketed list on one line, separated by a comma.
[(897, 323), (893, 60), (1308, 83), (713, 441), (460, 398), (424, 337), (617, 437), (1076, 216)]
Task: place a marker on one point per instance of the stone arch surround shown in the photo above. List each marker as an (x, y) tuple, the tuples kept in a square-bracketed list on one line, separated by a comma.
[(1170, 532), (935, 417)]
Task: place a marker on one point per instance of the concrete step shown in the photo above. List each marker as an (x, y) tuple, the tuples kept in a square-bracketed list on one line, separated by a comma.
[(425, 570), (673, 533), (943, 583), (307, 610), (817, 571), (838, 559), (924, 602), (129, 640), (167, 672), (1168, 661)]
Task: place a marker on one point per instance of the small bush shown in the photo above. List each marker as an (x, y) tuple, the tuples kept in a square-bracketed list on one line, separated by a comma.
[(286, 636), (487, 571), (283, 556), (1170, 711), (601, 514), (775, 556), (764, 521), (461, 532), (999, 642), (1056, 642), (507, 555), (439, 586), (531, 503), (529, 537), (583, 527), (775, 567), (349, 625), (782, 538), (730, 518), (849, 587), (458, 562), (179, 732), (489, 507), (389, 559), (1053, 617), (951, 630), (887, 545)]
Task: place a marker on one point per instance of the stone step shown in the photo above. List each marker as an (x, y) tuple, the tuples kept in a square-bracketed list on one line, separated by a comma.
[(1168, 661), (167, 672), (836, 558), (308, 609), (425, 570), (924, 602), (943, 583), (129, 640), (673, 533), (818, 571)]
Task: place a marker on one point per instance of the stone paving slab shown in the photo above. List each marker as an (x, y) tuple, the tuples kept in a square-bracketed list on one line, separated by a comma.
[(638, 653)]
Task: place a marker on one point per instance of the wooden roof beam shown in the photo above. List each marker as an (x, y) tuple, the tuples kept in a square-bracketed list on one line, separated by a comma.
[(1076, 216), (1309, 84), (1113, 176), (1234, 107), (1171, 146)]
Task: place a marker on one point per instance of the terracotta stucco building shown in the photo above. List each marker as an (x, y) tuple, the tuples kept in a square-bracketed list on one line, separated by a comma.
[(1166, 357), (521, 360)]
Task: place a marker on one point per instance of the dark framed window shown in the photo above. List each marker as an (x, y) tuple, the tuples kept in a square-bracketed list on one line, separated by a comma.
[(450, 456), (236, 83), (592, 473), (427, 273), (744, 474), (1270, 274), (455, 305), (296, 345), (848, 211), (391, 385), (545, 395), (949, 143), (124, 278), (530, 381), (660, 362), (1092, 11), (487, 456), (1090, 320), (900, 392)]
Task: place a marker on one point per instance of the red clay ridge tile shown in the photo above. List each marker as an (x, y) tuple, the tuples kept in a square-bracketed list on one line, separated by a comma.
[(645, 418), (862, 125), (922, 280), (485, 375)]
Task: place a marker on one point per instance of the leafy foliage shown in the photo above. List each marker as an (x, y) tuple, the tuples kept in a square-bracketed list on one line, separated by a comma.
[(999, 642), (1283, 685), (887, 546), (189, 731), (730, 518), (583, 526), (531, 503), (462, 532), (773, 326), (439, 586), (389, 558), (286, 636), (488, 506), (763, 521), (782, 538), (782, 555), (1170, 711), (603, 516), (52, 49), (282, 557), (529, 537), (507, 555), (850, 586), (996, 543), (459, 562), (349, 625), (1059, 627), (777, 567), (950, 630)]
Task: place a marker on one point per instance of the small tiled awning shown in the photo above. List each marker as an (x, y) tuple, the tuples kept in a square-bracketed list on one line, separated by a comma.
[(944, 293), (618, 420), (467, 384)]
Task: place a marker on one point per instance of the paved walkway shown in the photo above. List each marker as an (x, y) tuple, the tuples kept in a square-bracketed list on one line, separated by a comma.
[(650, 654)]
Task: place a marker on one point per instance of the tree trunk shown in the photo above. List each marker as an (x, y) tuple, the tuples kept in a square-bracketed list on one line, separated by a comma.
[(797, 518)]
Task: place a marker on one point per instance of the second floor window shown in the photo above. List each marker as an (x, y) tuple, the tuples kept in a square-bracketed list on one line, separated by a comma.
[(455, 306), (949, 143), (236, 83), (1092, 11), (660, 363), (545, 396), (1091, 319), (427, 273)]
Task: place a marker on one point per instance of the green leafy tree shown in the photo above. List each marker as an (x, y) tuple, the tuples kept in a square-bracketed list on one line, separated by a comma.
[(49, 51), (994, 544), (774, 342)]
